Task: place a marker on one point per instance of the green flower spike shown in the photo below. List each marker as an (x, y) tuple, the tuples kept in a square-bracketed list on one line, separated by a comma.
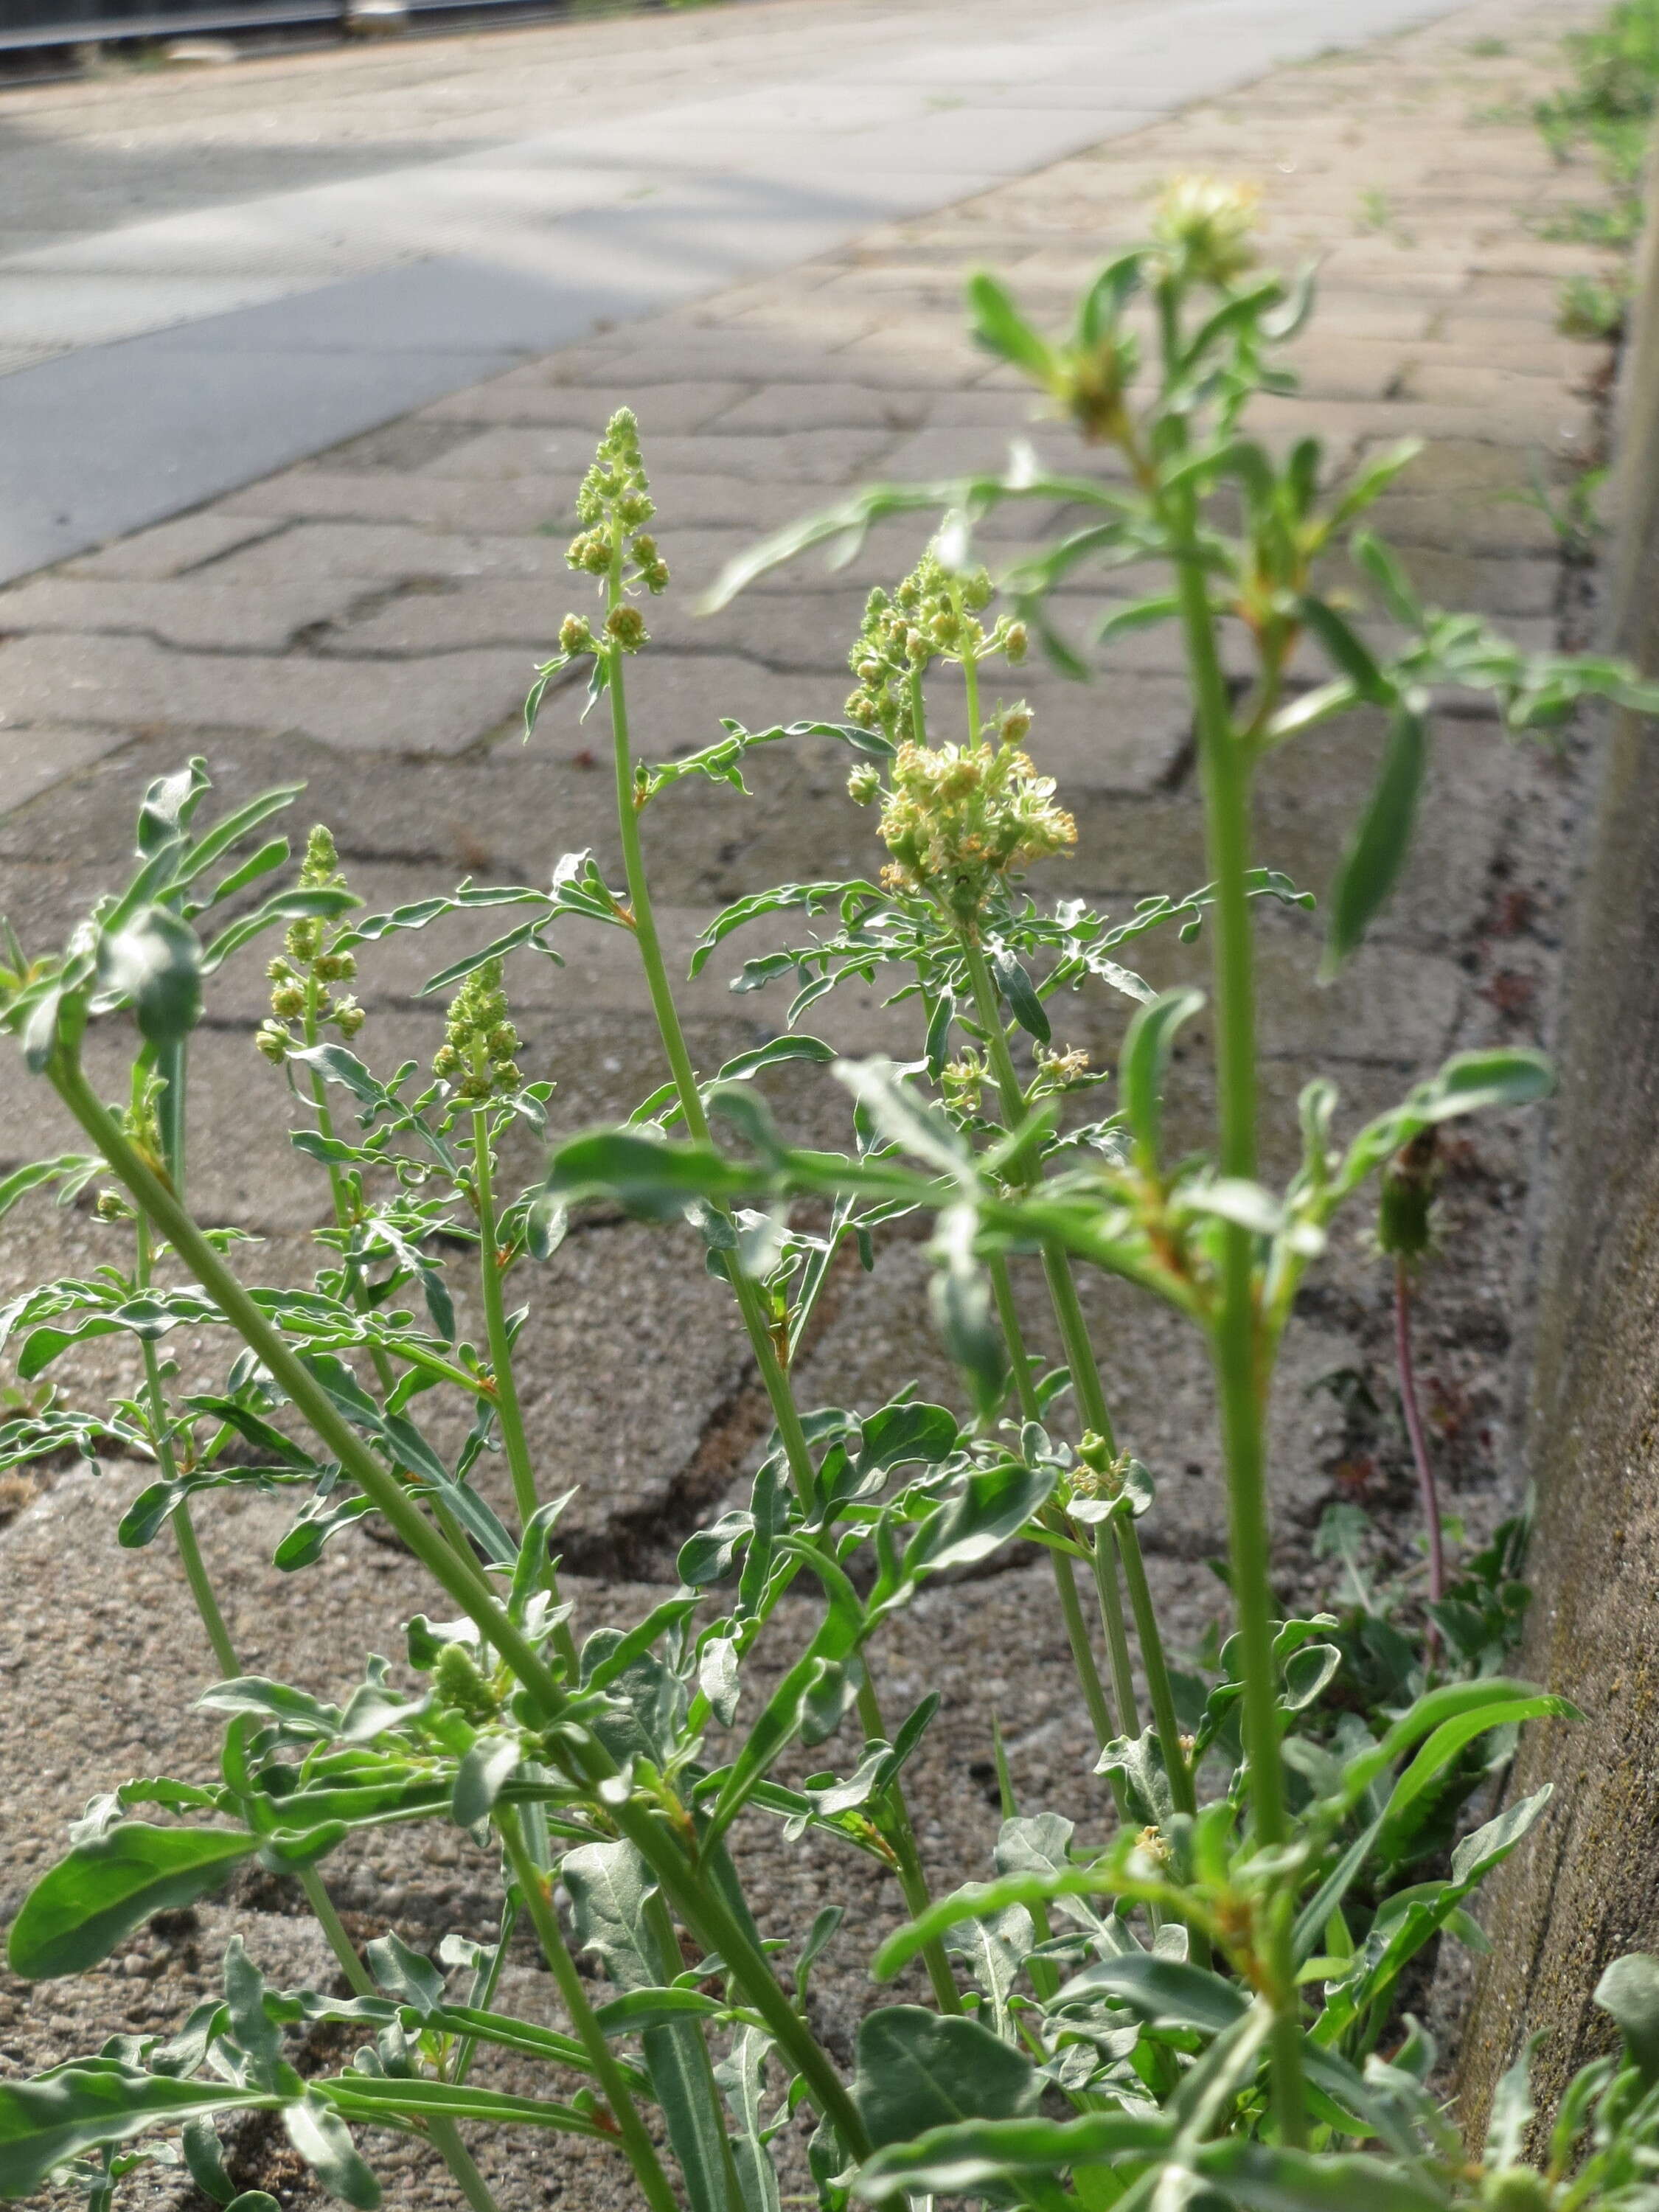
[(614, 506), (302, 973), (475, 1058), (958, 819), (932, 615)]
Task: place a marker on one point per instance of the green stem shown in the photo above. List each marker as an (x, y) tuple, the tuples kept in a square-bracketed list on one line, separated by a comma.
[(445, 2140), (443, 2133), (697, 1903), (662, 1926), (780, 1392), (337, 1189), (1085, 1375), (157, 1200), (170, 1066), (201, 1588), (785, 1411), (532, 1887), (1070, 1606), (341, 1202), (184, 1528), (333, 1927), (907, 1855), (1103, 1564), (1225, 772), (501, 1350), (483, 1998), (1090, 1395), (1086, 1382)]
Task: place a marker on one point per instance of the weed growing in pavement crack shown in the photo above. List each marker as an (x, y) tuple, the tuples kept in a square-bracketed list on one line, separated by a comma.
[(1608, 107), (1181, 2001)]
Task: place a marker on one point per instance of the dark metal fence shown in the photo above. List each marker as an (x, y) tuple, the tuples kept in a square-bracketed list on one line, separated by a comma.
[(45, 23)]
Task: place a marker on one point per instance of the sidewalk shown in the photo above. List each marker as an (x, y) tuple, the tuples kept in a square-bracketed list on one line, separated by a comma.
[(368, 621), (443, 218)]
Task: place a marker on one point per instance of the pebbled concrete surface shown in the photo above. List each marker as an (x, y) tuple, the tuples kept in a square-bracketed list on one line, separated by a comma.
[(367, 620)]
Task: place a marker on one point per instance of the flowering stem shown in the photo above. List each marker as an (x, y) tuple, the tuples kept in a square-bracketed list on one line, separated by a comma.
[(1123, 1542), (1236, 1345), (501, 1346), (779, 1393), (697, 1901), (325, 1123), (774, 1376), (1105, 1548), (1419, 1444)]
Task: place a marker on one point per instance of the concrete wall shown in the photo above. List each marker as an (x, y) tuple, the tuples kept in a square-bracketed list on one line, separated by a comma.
[(1586, 1887)]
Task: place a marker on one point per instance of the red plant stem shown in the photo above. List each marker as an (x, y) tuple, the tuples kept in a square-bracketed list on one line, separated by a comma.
[(1425, 1483)]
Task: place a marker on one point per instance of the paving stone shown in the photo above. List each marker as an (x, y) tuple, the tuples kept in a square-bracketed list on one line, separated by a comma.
[(388, 552), (445, 703), (811, 456), (169, 549), (525, 396), (190, 611), (35, 759), (784, 407)]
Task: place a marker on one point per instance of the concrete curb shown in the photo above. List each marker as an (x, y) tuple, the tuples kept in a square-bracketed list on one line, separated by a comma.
[(1586, 1886)]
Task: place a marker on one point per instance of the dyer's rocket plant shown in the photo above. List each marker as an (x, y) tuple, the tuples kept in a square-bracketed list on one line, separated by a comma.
[(1180, 1988)]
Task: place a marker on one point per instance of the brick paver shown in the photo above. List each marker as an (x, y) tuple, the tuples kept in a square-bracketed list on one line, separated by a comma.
[(369, 620)]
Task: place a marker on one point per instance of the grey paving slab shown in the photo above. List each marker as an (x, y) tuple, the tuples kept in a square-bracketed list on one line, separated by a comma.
[(199, 349)]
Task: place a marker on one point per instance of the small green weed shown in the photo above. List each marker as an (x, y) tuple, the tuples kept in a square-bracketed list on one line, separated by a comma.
[(1589, 308)]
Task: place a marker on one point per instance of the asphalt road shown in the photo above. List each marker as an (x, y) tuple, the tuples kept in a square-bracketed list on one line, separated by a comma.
[(206, 276)]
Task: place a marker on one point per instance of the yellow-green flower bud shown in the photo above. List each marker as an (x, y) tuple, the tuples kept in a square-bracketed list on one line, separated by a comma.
[(349, 1016), (457, 1681), (626, 625), (864, 784), (287, 1001), (1016, 725), (321, 866), (271, 1039), (1015, 642), (575, 635), (1204, 226), (479, 1041)]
